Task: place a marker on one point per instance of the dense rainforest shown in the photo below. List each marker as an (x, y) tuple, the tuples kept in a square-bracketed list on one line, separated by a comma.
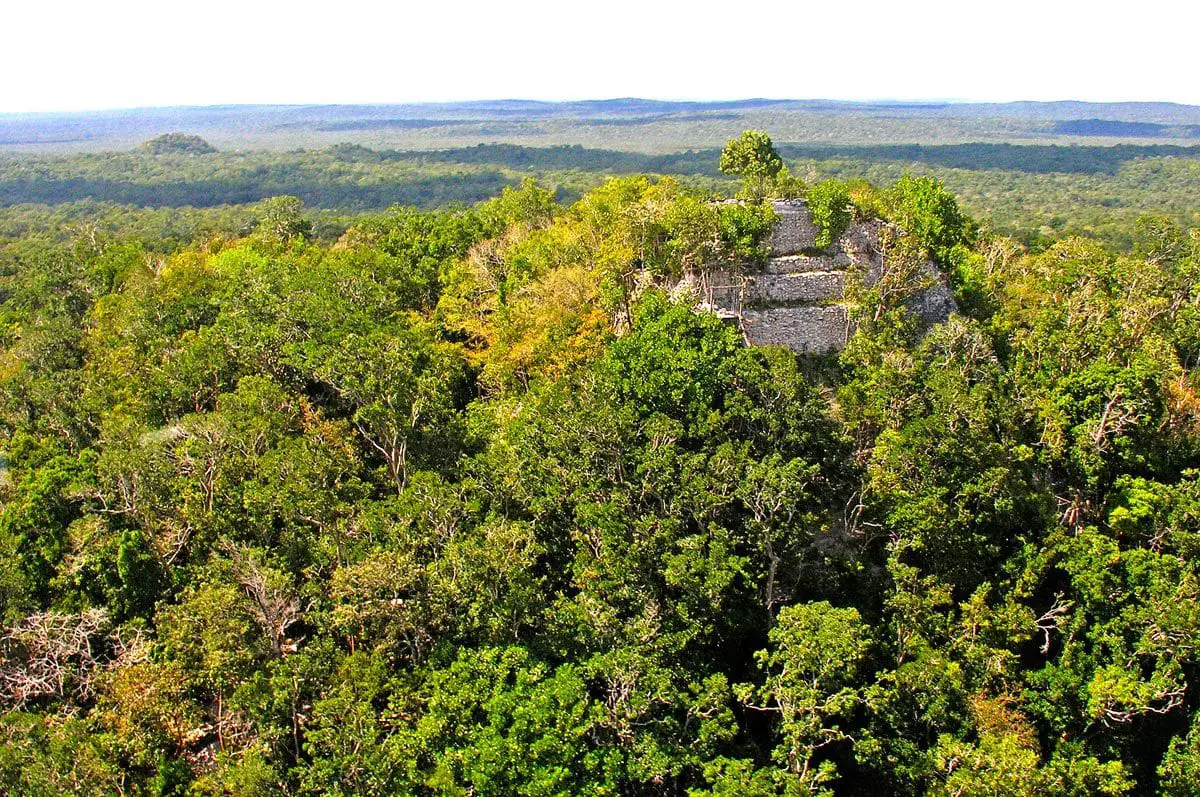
[(1036, 194), (473, 501)]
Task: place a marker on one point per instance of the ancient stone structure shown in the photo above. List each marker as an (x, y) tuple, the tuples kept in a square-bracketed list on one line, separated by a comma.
[(796, 299)]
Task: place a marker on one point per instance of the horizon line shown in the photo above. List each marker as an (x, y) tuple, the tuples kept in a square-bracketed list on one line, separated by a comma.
[(878, 101)]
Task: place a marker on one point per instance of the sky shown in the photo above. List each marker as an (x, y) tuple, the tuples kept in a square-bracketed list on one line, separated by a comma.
[(60, 55)]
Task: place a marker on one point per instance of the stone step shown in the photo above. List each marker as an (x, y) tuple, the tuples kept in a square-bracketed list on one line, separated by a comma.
[(795, 231), (790, 264), (805, 330), (808, 286)]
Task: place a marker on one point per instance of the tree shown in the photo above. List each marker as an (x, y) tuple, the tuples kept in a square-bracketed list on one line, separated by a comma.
[(810, 672), (754, 158), (427, 512), (922, 207), (496, 721), (403, 387), (47, 756), (281, 219), (829, 203)]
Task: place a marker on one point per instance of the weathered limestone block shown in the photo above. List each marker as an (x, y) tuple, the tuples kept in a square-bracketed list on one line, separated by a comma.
[(764, 290), (860, 242), (935, 304), (805, 286), (791, 264), (820, 329), (795, 231)]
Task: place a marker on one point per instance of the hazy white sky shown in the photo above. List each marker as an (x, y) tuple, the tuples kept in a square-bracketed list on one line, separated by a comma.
[(60, 55)]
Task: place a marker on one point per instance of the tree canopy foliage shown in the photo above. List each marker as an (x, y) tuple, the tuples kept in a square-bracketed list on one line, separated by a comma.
[(472, 501), (1035, 193), (753, 157)]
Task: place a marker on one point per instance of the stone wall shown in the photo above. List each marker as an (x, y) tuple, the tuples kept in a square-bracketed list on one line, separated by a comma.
[(796, 299), (795, 231), (814, 329)]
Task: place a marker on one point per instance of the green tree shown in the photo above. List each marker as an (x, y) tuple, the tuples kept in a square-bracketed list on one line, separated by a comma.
[(753, 157), (923, 208), (829, 203), (811, 671), (281, 219), (46, 756)]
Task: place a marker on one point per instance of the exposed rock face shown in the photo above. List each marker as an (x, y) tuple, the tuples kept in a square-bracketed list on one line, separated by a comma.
[(797, 298)]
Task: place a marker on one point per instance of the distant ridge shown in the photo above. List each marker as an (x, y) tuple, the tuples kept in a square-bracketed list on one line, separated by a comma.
[(1064, 109), (628, 123)]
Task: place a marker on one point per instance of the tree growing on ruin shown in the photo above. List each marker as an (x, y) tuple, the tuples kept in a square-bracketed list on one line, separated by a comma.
[(753, 157)]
